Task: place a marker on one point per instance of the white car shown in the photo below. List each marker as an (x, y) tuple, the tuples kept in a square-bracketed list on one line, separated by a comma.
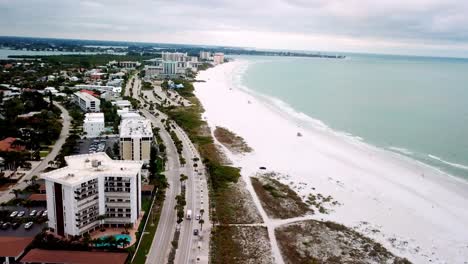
[(44, 214), (33, 213), (20, 214), (14, 213), (28, 225), (197, 217)]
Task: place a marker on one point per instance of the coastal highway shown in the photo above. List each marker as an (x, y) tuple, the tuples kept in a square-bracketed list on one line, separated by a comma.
[(161, 245), (191, 249)]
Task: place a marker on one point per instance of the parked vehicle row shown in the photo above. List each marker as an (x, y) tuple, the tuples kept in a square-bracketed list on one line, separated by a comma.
[(33, 213), (15, 225)]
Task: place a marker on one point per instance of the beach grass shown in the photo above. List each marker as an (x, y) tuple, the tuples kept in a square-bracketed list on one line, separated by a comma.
[(278, 200)]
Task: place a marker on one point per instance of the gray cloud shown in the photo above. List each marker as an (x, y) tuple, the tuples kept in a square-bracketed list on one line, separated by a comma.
[(428, 22)]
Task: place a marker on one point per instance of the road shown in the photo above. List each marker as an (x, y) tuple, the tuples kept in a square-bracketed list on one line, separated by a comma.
[(161, 244), (6, 195), (196, 196)]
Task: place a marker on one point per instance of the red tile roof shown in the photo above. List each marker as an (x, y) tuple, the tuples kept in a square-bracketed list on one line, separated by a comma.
[(39, 197), (147, 187), (73, 257), (90, 93), (7, 145), (13, 246)]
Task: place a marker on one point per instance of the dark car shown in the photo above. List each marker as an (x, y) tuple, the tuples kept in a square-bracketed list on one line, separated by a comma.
[(195, 232), (6, 225), (15, 225)]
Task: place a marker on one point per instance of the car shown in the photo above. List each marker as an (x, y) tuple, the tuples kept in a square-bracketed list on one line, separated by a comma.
[(20, 214), (197, 217), (44, 214), (28, 225), (15, 225), (195, 232), (33, 213), (6, 225), (14, 213), (39, 213)]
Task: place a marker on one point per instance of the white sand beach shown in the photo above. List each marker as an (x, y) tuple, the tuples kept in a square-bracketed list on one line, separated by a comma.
[(414, 210)]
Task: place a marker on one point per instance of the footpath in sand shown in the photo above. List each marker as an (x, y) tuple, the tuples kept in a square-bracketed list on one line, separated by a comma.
[(413, 210)]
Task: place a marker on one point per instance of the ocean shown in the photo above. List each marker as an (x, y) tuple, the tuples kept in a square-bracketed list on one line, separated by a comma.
[(414, 106)]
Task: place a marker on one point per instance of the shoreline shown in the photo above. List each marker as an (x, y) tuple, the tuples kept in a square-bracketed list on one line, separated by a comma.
[(389, 186)]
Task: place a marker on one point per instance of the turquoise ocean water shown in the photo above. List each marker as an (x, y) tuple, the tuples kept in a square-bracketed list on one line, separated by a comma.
[(415, 106)]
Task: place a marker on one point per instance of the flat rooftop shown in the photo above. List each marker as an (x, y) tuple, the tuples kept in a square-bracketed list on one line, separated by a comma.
[(94, 117), (81, 168), (73, 257), (86, 96), (135, 128), (13, 246)]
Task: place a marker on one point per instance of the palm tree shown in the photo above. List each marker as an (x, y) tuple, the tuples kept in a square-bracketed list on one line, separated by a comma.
[(51, 163), (202, 211), (201, 222), (16, 192), (120, 242), (101, 221)]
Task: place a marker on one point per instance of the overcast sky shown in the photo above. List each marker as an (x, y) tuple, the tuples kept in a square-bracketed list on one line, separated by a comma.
[(420, 27)]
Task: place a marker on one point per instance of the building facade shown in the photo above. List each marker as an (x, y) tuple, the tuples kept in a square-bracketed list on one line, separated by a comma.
[(92, 190), (87, 102), (205, 55), (136, 136), (218, 58), (93, 124)]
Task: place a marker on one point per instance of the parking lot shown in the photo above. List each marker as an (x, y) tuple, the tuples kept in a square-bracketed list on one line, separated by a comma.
[(15, 225), (93, 145)]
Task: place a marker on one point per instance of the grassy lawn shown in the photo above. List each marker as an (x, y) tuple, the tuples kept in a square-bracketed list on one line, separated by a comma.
[(150, 230), (43, 153)]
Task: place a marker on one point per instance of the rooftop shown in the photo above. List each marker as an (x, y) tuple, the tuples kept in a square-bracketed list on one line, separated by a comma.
[(94, 117), (86, 96), (38, 197), (13, 246), (84, 167), (135, 128), (73, 257), (8, 144)]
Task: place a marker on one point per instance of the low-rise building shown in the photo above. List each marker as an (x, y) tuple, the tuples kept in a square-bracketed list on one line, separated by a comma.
[(87, 102), (92, 190), (93, 124), (136, 136), (122, 104), (12, 248), (128, 64)]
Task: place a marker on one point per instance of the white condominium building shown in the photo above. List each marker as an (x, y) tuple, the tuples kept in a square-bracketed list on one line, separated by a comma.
[(87, 102), (93, 124), (218, 58), (136, 136), (173, 56), (128, 64), (92, 185), (205, 55)]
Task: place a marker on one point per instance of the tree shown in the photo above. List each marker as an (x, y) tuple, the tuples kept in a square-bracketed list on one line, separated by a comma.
[(183, 178), (202, 211), (34, 179), (51, 163), (101, 221), (201, 222), (16, 192)]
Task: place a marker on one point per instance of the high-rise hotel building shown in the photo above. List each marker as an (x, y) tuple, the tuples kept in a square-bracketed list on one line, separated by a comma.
[(92, 185)]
